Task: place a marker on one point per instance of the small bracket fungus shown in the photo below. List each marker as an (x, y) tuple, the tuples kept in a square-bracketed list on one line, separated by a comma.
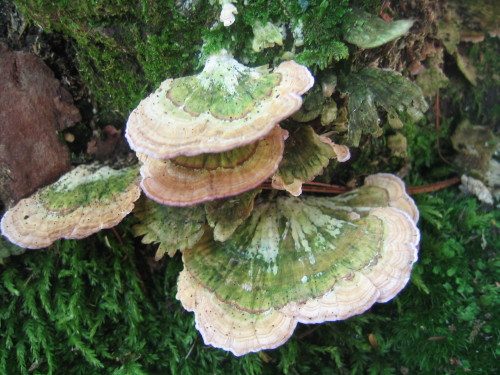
[(385, 190), (369, 31), (184, 181), (80, 203), (371, 86), (306, 154), (227, 13), (295, 261), (476, 187), (225, 215), (477, 147), (266, 36), (312, 107), (398, 144), (173, 227), (227, 105)]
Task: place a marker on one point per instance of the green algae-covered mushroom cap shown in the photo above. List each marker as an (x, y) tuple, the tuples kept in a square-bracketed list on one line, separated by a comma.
[(80, 203), (298, 260), (227, 105), (225, 215)]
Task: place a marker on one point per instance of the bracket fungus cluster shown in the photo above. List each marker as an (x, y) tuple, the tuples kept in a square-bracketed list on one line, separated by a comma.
[(82, 202), (306, 260), (262, 266), (215, 134), (254, 267)]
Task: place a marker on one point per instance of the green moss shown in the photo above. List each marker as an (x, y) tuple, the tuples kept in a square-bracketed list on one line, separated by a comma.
[(123, 48), (479, 103)]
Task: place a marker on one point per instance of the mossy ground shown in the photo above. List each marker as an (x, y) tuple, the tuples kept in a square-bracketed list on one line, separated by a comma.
[(103, 306)]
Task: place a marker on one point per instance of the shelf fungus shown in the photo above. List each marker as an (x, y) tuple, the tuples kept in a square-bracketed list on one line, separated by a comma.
[(227, 105), (306, 155), (188, 180), (227, 13), (80, 203), (174, 228), (369, 31), (307, 260), (225, 215), (372, 87)]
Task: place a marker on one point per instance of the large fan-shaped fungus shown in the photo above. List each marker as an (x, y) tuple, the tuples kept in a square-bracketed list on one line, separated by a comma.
[(80, 203), (184, 181), (226, 106), (309, 260)]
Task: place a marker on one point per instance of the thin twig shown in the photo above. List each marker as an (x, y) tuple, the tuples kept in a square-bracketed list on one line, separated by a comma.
[(314, 187), (432, 187), (191, 349), (317, 187)]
